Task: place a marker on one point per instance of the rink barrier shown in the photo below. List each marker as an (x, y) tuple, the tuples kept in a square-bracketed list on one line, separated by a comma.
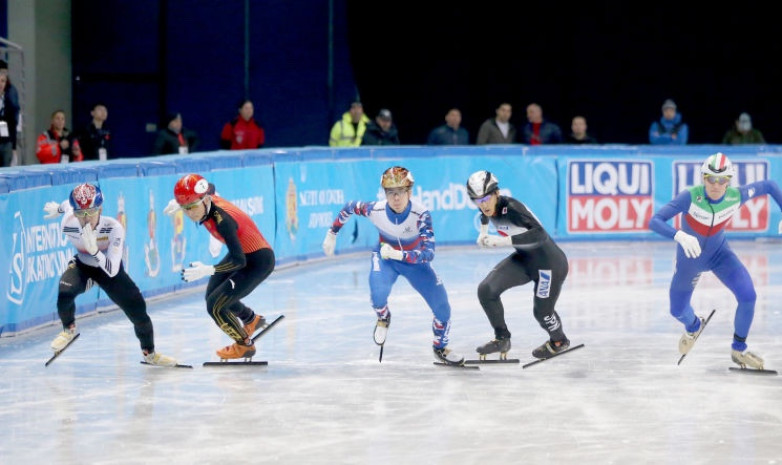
[(578, 193)]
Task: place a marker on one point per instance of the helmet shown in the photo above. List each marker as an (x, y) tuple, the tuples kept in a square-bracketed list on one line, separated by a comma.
[(717, 165), (481, 184), (190, 189), (396, 176), (86, 196)]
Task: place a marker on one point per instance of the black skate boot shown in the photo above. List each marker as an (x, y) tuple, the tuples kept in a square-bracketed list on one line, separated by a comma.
[(550, 348), (501, 345)]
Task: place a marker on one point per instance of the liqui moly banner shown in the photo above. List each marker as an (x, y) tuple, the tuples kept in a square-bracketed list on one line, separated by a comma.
[(608, 196)]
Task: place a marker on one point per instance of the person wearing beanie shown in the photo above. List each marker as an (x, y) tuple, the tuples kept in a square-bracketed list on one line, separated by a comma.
[(743, 133), (174, 138), (382, 130), (669, 129)]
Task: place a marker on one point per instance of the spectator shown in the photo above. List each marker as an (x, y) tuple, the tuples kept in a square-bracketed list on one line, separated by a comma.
[(95, 139), (55, 145), (450, 133), (13, 94), (174, 138), (743, 132), (242, 132), (578, 132), (538, 131), (381, 131), (669, 129), (498, 130), (9, 114), (349, 131)]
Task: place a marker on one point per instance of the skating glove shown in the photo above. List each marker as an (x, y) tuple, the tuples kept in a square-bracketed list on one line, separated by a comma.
[(329, 243), (690, 245), (496, 241), (390, 253), (89, 239), (54, 210), (197, 271), (171, 208), (482, 236)]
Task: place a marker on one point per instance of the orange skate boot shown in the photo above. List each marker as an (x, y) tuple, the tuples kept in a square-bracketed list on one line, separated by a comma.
[(236, 350)]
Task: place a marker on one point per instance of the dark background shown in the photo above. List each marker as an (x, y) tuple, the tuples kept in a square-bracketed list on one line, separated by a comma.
[(607, 61), (306, 60)]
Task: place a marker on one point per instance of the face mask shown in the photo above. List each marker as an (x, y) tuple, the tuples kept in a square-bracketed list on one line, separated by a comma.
[(745, 125)]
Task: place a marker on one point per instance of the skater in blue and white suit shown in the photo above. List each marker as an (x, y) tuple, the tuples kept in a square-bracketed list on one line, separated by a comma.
[(405, 247), (706, 209)]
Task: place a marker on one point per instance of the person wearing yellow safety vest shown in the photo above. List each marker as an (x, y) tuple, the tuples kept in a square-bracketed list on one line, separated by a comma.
[(348, 131)]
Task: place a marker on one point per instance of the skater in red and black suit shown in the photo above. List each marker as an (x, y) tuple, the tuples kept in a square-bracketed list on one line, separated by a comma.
[(250, 260)]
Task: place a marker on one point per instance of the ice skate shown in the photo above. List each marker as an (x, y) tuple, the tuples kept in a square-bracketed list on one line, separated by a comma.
[(381, 330), (63, 339), (501, 345), (550, 348), (236, 350), (747, 359), (688, 339), (447, 356), (154, 358), (259, 322)]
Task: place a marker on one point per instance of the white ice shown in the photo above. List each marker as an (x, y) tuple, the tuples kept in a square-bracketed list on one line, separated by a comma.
[(325, 399)]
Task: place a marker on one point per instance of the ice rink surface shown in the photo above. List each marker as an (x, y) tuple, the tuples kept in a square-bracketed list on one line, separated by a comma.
[(325, 399)]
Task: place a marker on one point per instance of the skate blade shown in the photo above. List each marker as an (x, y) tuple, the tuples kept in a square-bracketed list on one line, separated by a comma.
[(178, 365), (455, 365), (483, 361), (225, 363), (754, 371)]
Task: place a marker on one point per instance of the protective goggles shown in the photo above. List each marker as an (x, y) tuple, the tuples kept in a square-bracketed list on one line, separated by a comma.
[(482, 200), (397, 191), (721, 180), (191, 206), (86, 212)]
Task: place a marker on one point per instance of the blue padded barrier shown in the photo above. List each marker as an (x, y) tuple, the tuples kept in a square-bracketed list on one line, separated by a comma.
[(117, 170), (156, 168), (74, 174), (27, 179), (256, 158), (193, 164), (227, 160)]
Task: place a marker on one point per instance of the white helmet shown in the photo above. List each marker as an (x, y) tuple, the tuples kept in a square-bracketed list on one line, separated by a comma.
[(481, 184), (717, 165)]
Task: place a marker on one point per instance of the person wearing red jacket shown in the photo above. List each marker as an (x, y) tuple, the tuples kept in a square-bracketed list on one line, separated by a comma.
[(242, 132), (56, 144)]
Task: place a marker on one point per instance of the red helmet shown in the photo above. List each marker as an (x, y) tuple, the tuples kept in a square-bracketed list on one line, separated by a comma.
[(190, 189)]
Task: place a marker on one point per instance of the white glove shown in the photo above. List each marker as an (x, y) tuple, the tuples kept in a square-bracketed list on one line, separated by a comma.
[(197, 271), (53, 210), (690, 245), (329, 243), (779, 228), (390, 253), (171, 208), (496, 241), (482, 236), (89, 239)]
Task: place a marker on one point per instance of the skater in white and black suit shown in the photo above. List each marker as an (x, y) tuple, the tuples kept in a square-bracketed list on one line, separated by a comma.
[(535, 257), (99, 241)]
